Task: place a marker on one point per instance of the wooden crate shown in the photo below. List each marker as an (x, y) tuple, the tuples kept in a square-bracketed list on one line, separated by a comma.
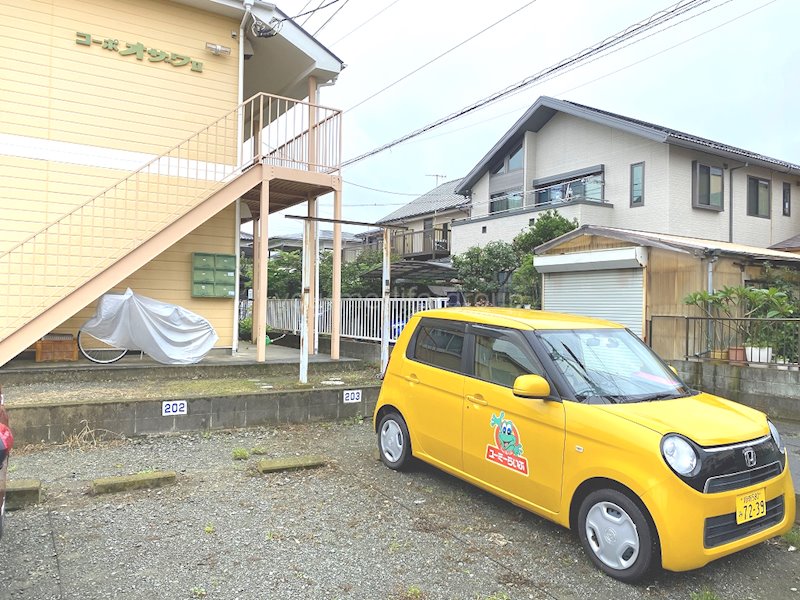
[(56, 347)]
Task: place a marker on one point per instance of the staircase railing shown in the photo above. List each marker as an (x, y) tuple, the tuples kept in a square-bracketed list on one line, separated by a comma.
[(46, 266)]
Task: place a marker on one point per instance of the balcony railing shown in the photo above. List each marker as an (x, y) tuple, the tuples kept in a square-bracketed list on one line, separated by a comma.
[(429, 243), (757, 341)]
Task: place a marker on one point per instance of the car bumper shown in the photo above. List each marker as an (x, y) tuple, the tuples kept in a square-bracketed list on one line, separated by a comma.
[(695, 528)]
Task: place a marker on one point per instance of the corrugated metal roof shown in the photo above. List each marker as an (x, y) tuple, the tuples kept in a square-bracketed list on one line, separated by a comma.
[(545, 108), (442, 197), (673, 242)]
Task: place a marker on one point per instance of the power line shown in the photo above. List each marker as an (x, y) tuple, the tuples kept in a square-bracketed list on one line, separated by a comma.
[(445, 53), (336, 12), (384, 9), (631, 43), (656, 19), (312, 11)]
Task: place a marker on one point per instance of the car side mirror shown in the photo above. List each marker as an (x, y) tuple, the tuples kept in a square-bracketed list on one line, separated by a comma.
[(531, 386)]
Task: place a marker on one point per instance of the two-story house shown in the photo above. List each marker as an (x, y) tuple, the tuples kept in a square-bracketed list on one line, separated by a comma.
[(137, 138), (610, 170), (423, 226)]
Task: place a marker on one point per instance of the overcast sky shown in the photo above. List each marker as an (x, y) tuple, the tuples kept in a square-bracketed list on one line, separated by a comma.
[(733, 83)]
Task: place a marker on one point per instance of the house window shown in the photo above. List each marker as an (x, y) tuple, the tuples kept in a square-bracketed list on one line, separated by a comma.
[(787, 199), (515, 159), (505, 201), (758, 193), (511, 162), (637, 184), (589, 187), (707, 186)]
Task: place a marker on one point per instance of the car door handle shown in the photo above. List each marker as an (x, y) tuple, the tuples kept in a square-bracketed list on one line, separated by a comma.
[(477, 399), (411, 378)]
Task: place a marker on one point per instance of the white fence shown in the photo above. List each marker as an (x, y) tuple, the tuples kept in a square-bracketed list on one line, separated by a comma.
[(361, 317)]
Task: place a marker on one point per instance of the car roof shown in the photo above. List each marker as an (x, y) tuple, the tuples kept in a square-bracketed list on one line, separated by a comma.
[(518, 318)]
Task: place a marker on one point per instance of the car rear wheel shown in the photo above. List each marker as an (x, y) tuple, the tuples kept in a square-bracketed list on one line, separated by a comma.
[(393, 441), (617, 535)]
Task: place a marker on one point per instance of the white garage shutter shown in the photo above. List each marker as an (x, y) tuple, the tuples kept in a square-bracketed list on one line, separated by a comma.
[(614, 294)]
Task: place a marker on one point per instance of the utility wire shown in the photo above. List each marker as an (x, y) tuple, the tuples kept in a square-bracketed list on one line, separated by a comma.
[(384, 9), (445, 53), (312, 11), (336, 12), (610, 52), (656, 19)]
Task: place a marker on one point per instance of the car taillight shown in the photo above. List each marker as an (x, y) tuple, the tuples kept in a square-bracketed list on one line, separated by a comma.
[(6, 438)]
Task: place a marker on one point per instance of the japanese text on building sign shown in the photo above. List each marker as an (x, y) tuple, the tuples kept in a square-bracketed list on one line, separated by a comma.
[(138, 49)]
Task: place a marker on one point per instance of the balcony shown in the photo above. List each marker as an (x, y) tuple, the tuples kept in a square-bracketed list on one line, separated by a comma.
[(421, 245)]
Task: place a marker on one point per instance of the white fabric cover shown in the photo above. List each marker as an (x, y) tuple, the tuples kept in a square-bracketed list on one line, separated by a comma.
[(167, 333)]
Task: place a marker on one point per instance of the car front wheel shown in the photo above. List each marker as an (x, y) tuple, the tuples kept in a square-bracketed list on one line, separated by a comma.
[(393, 441), (617, 535)]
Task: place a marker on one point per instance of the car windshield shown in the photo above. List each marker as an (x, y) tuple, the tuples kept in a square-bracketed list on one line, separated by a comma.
[(610, 366)]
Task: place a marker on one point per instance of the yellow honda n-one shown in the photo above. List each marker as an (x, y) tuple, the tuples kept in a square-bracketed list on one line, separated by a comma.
[(577, 420)]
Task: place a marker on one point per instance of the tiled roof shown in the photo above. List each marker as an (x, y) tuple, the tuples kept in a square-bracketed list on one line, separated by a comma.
[(440, 198), (545, 108)]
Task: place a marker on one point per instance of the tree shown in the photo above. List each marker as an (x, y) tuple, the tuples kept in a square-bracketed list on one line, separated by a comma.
[(547, 227), (526, 283), (284, 275), (485, 270), (354, 284)]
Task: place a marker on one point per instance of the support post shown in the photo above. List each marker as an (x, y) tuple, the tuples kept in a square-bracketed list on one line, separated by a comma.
[(257, 266), (310, 248), (312, 123), (336, 284), (385, 289), (305, 302), (260, 301)]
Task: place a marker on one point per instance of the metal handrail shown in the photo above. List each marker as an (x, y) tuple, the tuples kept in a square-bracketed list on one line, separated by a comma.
[(58, 257)]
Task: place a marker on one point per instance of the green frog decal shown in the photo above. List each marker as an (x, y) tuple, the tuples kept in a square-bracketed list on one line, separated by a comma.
[(506, 434)]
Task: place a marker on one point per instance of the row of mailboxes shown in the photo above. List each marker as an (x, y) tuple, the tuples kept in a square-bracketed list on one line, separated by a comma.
[(213, 275)]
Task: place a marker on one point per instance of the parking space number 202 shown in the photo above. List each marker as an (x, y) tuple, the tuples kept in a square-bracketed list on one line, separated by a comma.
[(171, 408)]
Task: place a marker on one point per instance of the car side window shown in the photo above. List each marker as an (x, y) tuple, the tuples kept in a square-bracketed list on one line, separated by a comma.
[(438, 347), (501, 359)]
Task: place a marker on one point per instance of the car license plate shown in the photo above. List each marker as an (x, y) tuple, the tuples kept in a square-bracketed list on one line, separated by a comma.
[(750, 506)]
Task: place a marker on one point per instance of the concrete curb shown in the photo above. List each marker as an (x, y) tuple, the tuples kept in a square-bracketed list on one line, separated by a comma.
[(23, 492), (49, 424), (271, 465), (140, 481)]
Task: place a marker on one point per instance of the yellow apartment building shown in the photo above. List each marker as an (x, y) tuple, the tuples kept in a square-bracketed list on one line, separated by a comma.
[(136, 137)]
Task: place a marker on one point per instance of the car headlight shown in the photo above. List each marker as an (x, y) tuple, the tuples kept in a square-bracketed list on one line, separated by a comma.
[(679, 454), (776, 436)]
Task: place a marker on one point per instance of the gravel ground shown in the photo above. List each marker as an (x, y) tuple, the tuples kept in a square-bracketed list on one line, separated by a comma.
[(353, 529)]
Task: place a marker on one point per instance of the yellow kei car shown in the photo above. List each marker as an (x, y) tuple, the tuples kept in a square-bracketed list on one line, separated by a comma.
[(576, 420)]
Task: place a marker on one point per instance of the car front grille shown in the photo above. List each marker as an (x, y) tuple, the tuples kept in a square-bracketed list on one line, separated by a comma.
[(735, 481), (723, 529)]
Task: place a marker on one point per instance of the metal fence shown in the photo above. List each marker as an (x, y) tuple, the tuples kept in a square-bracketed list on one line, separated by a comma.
[(362, 318), (764, 341)]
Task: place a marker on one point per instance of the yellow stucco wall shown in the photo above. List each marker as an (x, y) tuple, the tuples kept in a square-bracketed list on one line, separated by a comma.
[(78, 118), (168, 277)]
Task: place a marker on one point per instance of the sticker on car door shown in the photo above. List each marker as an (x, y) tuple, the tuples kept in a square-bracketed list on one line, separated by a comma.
[(507, 449)]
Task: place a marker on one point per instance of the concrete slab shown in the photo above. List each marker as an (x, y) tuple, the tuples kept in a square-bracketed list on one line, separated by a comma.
[(139, 481), (291, 463), (23, 492)]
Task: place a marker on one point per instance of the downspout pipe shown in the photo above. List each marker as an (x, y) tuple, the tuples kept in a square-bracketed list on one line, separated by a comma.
[(248, 11)]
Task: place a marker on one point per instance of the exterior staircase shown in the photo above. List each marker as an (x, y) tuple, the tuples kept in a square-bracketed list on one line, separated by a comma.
[(66, 265)]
